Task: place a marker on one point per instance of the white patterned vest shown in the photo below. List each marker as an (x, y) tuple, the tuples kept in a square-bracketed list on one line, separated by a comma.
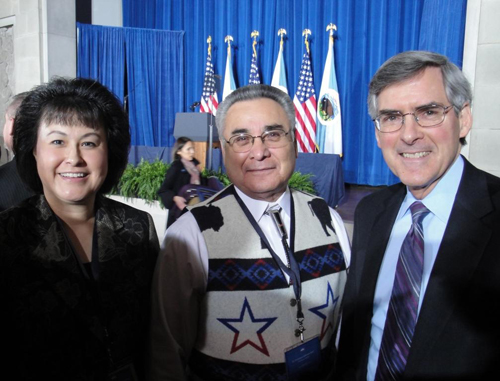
[(248, 314)]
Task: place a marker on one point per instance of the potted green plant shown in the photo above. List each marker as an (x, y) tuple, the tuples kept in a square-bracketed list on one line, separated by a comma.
[(144, 180), (139, 187)]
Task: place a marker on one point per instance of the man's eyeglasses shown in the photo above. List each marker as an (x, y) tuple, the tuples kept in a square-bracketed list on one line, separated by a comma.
[(271, 139), (425, 116)]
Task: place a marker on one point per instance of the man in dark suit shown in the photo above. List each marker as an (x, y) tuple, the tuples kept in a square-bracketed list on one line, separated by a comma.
[(12, 189), (422, 298)]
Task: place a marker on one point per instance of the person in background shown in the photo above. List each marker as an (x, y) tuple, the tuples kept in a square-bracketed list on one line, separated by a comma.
[(75, 266), (12, 189), (249, 283), (422, 299), (184, 170)]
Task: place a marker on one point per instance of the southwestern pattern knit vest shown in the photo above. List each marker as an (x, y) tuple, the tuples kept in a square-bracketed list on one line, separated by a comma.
[(248, 314)]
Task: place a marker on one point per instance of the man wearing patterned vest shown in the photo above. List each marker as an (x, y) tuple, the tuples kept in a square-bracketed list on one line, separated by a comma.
[(249, 283)]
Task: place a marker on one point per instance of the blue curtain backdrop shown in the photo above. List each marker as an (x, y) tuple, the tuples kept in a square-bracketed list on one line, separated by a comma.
[(154, 64), (368, 33), (101, 56), (155, 77)]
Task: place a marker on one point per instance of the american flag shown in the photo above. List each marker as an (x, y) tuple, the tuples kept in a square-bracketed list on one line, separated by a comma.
[(254, 72), (209, 102), (305, 108)]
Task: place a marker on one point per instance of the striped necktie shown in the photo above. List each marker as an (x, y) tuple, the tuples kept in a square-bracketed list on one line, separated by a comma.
[(403, 306)]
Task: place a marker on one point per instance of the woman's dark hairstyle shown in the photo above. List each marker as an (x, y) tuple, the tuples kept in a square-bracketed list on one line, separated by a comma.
[(179, 144), (71, 102)]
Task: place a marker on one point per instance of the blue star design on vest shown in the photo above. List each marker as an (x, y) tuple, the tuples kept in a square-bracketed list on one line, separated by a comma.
[(246, 314), (330, 299)]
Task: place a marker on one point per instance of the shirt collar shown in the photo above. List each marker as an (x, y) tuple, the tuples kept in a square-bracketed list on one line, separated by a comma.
[(440, 200), (258, 207)]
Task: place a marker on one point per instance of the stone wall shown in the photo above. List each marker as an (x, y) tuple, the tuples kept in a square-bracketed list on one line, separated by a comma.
[(7, 84), (482, 68)]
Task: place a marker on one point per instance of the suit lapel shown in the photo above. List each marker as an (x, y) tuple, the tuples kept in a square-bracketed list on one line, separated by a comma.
[(377, 239), (463, 244), (380, 230)]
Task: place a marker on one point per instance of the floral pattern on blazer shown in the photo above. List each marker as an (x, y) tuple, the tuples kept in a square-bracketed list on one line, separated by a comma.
[(52, 327)]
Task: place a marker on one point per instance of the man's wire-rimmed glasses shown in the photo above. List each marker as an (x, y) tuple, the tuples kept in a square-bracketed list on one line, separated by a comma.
[(425, 116), (242, 143)]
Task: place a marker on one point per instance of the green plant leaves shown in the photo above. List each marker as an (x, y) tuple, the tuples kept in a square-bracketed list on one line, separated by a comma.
[(302, 182), (144, 180)]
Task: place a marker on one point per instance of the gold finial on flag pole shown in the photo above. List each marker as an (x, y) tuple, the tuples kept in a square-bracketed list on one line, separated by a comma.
[(331, 27), (254, 35), (209, 41), (228, 39), (306, 32), (281, 32)]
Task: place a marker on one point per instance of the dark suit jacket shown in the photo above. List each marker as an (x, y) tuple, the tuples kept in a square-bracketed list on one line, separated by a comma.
[(52, 325), (12, 188), (457, 336)]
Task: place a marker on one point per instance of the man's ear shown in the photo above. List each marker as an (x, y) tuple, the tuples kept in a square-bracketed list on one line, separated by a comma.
[(377, 137), (465, 120), (11, 126), (296, 148), (223, 148)]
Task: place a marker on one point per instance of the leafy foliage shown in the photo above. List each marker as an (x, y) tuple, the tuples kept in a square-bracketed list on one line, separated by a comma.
[(219, 174), (144, 180), (302, 182)]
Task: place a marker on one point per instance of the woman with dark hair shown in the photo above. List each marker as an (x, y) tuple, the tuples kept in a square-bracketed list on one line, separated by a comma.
[(184, 170), (75, 266)]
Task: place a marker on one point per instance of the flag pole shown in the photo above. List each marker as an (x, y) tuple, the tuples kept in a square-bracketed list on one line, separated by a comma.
[(281, 33), (254, 35), (254, 77), (211, 123), (306, 32), (305, 103), (279, 77), (329, 115), (331, 27), (229, 84)]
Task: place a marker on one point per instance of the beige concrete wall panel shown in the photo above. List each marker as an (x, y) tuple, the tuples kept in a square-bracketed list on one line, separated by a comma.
[(58, 21), (27, 74), (489, 27), (487, 88), (27, 22), (486, 107), (62, 57), (28, 47), (488, 64), (25, 5), (484, 149), (7, 8)]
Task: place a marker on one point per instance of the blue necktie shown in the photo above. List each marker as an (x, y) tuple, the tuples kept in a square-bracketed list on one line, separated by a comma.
[(403, 306)]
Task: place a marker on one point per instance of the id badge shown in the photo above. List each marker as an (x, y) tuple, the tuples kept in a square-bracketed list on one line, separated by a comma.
[(123, 373), (303, 360)]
